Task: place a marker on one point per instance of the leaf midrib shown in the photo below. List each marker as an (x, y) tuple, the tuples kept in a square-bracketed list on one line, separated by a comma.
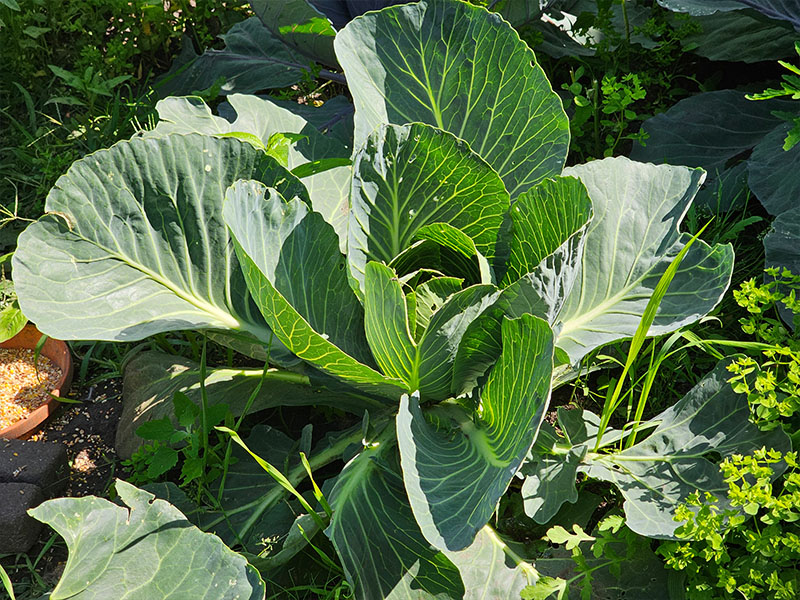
[(224, 317)]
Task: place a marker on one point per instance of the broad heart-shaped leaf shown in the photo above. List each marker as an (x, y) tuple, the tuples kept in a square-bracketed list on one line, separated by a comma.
[(630, 242), (145, 549), (328, 190), (462, 69), (707, 130), (378, 541), (426, 366), (300, 26), (135, 244), (773, 172), (297, 276), (252, 60), (456, 468), (678, 457), (151, 379), (408, 176)]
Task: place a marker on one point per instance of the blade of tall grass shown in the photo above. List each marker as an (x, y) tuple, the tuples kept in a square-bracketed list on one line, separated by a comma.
[(613, 399)]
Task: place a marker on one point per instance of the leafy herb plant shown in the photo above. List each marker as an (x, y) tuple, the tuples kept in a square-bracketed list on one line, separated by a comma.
[(751, 550)]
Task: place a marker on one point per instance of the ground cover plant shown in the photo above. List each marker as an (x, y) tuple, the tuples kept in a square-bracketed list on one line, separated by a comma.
[(420, 267)]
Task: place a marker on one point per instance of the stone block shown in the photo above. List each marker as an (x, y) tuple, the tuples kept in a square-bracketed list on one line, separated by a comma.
[(19, 530), (43, 464)]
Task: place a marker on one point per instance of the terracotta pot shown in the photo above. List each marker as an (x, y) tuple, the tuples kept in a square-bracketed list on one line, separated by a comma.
[(58, 352)]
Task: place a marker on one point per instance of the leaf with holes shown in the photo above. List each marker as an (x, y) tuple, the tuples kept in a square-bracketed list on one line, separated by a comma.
[(144, 549)]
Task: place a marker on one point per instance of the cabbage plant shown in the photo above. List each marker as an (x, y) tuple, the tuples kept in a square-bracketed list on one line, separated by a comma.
[(445, 272)]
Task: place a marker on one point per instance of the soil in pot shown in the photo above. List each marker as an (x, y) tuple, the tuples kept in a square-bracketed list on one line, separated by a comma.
[(26, 382)]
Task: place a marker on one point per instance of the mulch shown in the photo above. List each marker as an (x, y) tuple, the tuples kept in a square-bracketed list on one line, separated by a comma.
[(88, 429)]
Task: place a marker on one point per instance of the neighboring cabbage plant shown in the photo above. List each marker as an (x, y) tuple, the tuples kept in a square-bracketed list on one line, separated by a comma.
[(475, 271)]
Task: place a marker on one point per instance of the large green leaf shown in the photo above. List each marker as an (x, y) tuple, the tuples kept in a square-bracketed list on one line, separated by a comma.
[(300, 26), (252, 60), (298, 277), (784, 10), (378, 541), (152, 378), (490, 568), (679, 456), (741, 36), (542, 219), (135, 244), (455, 468), (145, 549), (410, 176), (774, 173), (707, 130), (546, 245), (386, 325), (328, 189), (461, 69), (630, 242), (701, 7)]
